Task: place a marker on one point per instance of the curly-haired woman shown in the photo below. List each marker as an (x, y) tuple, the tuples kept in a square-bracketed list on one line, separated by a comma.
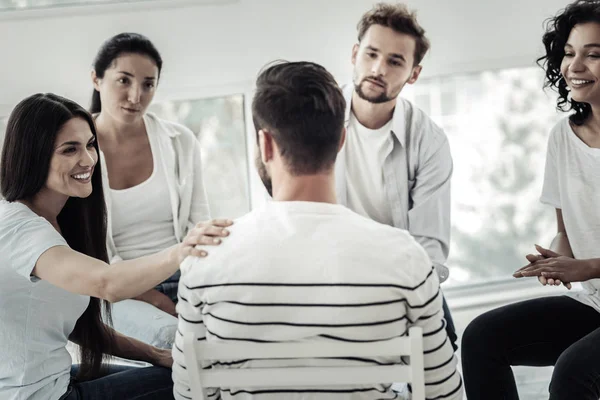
[(562, 331)]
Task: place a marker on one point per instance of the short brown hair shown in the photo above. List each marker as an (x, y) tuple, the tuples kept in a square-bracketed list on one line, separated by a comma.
[(399, 18), (302, 106)]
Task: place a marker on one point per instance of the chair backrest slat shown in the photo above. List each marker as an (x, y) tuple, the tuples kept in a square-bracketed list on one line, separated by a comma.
[(239, 351), (197, 351), (303, 376)]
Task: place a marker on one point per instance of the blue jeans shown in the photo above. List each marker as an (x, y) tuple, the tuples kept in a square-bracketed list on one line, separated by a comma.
[(123, 383), (169, 289)]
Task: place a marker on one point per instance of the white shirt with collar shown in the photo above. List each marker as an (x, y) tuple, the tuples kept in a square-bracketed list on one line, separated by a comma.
[(416, 178), (179, 152)]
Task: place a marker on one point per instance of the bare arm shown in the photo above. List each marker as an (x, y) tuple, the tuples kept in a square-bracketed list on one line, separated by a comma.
[(132, 349), (158, 300), (78, 273), (560, 244), (557, 264)]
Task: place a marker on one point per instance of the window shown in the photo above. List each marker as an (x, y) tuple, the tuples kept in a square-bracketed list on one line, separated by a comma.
[(497, 123), (219, 125)]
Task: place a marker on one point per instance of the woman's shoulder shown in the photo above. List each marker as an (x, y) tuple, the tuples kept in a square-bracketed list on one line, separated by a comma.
[(561, 127), (560, 131), (14, 214)]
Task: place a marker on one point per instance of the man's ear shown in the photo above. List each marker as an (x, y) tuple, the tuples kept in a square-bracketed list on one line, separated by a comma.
[(342, 140), (415, 74), (265, 145), (354, 53), (95, 80)]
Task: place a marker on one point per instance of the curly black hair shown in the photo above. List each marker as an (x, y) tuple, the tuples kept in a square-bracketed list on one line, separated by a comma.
[(557, 33)]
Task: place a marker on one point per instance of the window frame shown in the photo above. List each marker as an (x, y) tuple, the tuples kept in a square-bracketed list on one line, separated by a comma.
[(192, 93)]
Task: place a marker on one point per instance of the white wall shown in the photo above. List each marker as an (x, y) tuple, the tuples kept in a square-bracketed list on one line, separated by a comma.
[(213, 49), (210, 48)]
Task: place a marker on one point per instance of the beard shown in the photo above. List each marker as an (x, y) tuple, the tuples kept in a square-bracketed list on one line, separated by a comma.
[(264, 175), (377, 99)]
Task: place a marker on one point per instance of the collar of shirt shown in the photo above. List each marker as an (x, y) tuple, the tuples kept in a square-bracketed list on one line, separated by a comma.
[(398, 123)]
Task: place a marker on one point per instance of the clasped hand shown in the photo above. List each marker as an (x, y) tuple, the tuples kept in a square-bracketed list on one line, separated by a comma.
[(553, 269)]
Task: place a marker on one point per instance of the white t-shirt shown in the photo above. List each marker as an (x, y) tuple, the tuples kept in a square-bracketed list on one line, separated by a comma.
[(36, 317), (365, 152), (142, 220), (303, 272), (572, 183)]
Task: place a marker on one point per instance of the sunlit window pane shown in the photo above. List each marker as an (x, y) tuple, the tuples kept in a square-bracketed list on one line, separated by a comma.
[(498, 124), (219, 125)]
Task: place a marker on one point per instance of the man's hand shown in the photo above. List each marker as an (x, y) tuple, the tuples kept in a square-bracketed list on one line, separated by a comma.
[(158, 300), (555, 267)]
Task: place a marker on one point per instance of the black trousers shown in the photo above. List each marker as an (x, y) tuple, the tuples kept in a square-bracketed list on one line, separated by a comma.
[(557, 331)]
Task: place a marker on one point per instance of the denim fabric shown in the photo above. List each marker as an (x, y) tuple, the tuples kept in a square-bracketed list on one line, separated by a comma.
[(123, 383)]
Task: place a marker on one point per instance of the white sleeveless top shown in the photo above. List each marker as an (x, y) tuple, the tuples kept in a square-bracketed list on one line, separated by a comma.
[(142, 221)]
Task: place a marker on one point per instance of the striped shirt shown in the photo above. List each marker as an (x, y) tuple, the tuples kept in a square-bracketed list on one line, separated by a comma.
[(302, 272)]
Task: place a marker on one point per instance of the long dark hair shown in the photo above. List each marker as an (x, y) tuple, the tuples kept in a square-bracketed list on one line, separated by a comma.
[(557, 33), (123, 43), (28, 148)]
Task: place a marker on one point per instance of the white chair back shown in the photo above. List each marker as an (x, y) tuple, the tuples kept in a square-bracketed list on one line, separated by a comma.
[(197, 351)]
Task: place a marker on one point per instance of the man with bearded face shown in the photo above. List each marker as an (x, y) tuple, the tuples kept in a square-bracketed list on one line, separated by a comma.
[(395, 166)]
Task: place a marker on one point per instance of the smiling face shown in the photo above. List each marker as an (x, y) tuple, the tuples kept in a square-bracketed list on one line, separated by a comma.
[(73, 160), (581, 63), (128, 87), (383, 63)]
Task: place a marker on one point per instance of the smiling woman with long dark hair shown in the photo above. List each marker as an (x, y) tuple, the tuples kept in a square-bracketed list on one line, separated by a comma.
[(54, 275)]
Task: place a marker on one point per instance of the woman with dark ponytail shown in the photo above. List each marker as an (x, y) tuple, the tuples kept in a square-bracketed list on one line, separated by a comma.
[(54, 273), (153, 182)]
